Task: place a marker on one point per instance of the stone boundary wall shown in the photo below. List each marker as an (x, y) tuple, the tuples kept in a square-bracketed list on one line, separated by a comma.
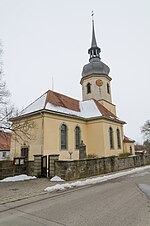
[(8, 169), (30, 168), (71, 170)]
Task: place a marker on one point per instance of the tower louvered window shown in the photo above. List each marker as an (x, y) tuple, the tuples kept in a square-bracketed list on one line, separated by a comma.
[(88, 88), (108, 88)]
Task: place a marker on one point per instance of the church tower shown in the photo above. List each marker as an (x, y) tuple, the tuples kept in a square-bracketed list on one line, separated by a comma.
[(95, 79)]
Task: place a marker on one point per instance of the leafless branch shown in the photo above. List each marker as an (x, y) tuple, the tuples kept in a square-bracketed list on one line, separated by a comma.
[(21, 129), (145, 130)]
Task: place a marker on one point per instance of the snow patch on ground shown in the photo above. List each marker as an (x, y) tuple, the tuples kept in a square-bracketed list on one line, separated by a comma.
[(140, 174), (21, 177), (56, 179), (96, 180)]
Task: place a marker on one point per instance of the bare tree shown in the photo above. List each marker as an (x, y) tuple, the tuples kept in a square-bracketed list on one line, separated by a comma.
[(145, 130), (10, 121), (4, 97), (146, 144)]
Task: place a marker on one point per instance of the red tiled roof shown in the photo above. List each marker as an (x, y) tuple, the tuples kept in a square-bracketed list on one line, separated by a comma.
[(5, 139), (61, 100), (139, 147), (128, 140), (104, 111), (53, 101)]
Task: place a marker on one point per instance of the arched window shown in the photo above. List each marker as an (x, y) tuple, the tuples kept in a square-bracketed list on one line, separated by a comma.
[(63, 136), (77, 137), (111, 138), (130, 150), (94, 52), (88, 88), (108, 88), (118, 138)]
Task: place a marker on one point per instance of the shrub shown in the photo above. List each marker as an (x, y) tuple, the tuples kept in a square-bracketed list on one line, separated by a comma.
[(91, 156), (125, 154)]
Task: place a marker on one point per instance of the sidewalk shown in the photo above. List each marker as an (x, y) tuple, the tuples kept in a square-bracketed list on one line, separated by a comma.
[(12, 191)]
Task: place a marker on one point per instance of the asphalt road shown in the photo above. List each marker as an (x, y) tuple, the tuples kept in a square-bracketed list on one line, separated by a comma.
[(120, 202)]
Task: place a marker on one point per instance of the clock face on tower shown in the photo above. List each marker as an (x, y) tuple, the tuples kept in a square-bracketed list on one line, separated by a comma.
[(99, 82)]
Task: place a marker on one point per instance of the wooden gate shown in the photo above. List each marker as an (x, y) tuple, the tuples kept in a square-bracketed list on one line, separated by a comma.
[(44, 166)]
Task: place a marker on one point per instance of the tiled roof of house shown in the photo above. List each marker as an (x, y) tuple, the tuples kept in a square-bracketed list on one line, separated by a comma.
[(139, 147), (5, 139), (56, 102), (128, 140)]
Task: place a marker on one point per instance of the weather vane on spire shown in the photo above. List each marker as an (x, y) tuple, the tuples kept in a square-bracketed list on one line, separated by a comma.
[(92, 14)]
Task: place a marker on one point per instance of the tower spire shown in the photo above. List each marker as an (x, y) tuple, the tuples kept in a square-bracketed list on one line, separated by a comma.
[(93, 43), (94, 51)]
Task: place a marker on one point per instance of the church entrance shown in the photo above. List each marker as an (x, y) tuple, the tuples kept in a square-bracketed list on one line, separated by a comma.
[(25, 152), (48, 165)]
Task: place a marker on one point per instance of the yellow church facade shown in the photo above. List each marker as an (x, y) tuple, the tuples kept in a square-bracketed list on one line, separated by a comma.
[(64, 124)]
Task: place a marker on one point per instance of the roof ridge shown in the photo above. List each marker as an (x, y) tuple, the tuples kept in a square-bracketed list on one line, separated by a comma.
[(127, 139), (57, 93), (104, 109), (34, 102), (58, 99)]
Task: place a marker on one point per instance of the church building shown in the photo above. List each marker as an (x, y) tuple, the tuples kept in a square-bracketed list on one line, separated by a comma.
[(63, 123)]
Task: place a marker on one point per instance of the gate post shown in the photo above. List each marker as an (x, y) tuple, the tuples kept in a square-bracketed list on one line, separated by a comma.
[(51, 164), (37, 165)]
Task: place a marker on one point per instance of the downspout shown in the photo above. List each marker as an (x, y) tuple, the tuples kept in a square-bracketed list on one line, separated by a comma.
[(42, 137), (122, 131), (15, 146)]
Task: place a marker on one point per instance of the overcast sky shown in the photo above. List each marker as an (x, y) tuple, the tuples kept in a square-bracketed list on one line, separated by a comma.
[(45, 39)]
